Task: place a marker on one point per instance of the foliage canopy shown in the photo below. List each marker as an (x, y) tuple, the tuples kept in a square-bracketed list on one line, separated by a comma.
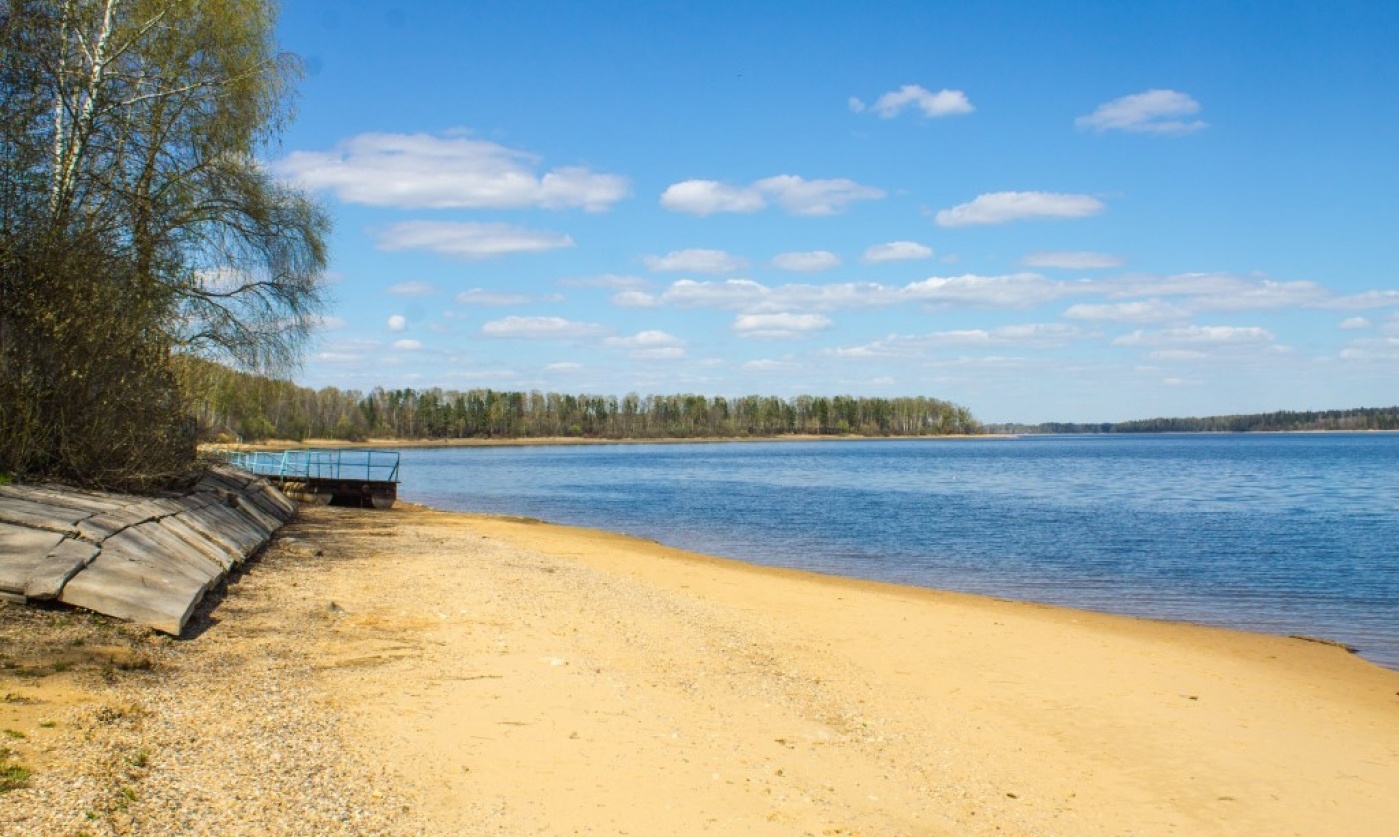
[(136, 224)]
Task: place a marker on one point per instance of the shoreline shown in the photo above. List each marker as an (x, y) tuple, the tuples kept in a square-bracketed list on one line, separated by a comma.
[(453, 673)]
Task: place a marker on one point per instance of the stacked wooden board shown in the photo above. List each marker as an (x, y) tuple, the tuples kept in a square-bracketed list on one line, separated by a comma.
[(145, 559)]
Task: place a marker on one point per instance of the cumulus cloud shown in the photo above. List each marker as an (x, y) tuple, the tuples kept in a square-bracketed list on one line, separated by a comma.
[(779, 326), (706, 197), (1222, 291), (1382, 349), (1151, 112), (796, 195), (1019, 290), (649, 345), (1355, 323), (397, 322), (413, 289), (565, 366), (1028, 336), (1146, 311), (421, 171), (933, 105), (408, 345), (1002, 207), (1072, 260), (696, 261), (770, 365), (606, 280), (480, 296), (469, 240), (897, 251), (810, 261), (541, 328), (1195, 335)]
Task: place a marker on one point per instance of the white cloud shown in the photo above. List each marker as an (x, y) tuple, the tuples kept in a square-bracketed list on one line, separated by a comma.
[(1385, 349), (706, 197), (1195, 335), (1363, 301), (469, 240), (815, 197), (769, 365), (1002, 207), (1029, 336), (1224, 291), (480, 296), (541, 328), (408, 345), (810, 261), (1179, 355), (606, 280), (1147, 311), (420, 171), (779, 326), (696, 261), (1072, 260), (1151, 112), (397, 322), (565, 366), (797, 195), (339, 357), (896, 251), (413, 289), (1355, 323), (649, 345), (1020, 290), (326, 322), (941, 103)]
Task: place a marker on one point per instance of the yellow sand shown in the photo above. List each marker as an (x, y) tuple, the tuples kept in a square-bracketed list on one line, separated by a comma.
[(521, 678)]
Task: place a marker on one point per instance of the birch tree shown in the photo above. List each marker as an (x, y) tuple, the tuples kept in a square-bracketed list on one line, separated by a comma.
[(131, 133)]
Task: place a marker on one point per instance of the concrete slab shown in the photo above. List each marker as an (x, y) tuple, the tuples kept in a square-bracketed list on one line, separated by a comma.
[(117, 586), (22, 549), (212, 550), (72, 498), (136, 546), (61, 564), (40, 515)]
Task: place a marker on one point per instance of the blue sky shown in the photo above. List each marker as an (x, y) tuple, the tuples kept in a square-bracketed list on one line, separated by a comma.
[(1076, 211)]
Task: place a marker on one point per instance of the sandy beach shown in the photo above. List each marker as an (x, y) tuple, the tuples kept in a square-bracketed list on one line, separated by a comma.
[(419, 672)]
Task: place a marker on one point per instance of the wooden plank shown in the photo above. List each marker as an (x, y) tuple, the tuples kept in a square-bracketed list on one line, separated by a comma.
[(114, 585), (61, 564), (22, 549)]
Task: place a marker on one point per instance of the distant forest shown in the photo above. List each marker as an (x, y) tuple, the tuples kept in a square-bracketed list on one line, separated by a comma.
[(1364, 418), (235, 405)]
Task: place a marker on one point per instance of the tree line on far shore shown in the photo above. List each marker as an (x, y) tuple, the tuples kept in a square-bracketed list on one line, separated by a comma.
[(236, 405), (1362, 418)]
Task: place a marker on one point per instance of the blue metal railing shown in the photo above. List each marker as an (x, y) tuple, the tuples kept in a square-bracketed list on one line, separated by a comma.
[(320, 463)]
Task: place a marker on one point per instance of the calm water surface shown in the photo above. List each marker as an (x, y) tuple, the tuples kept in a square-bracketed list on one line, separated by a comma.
[(1295, 533)]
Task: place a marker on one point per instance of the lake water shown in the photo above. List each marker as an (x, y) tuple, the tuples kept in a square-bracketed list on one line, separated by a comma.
[(1292, 533)]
